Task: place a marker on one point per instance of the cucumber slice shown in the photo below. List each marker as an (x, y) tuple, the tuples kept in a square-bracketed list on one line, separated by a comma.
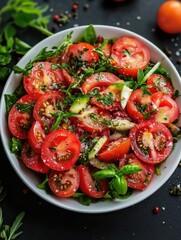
[(79, 104), (97, 147)]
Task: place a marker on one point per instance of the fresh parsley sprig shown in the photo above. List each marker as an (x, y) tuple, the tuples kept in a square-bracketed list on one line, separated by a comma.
[(14, 16)]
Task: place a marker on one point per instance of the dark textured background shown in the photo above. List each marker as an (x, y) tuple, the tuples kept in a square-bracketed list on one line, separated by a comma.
[(46, 222)]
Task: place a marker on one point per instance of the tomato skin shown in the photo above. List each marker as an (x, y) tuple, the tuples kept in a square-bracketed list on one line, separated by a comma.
[(98, 80), (45, 108), (168, 110), (64, 184), (85, 121), (19, 123), (169, 17), (42, 74), (36, 136), (87, 185), (32, 159), (141, 179), (60, 150), (115, 150), (151, 141), (83, 51), (129, 54), (158, 82), (138, 98)]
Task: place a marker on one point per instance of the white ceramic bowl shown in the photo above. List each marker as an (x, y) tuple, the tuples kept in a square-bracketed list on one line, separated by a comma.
[(31, 180)]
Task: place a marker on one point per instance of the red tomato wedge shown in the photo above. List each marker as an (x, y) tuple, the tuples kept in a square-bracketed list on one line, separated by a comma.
[(158, 82), (36, 136), (60, 150), (129, 54), (141, 179), (98, 80), (43, 78), (19, 121), (93, 119), (151, 141), (46, 107), (32, 159), (82, 51), (88, 186), (64, 184), (116, 149)]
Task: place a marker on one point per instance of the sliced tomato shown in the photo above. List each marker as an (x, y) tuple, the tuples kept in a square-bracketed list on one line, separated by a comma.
[(60, 150), (108, 99), (36, 136), (98, 80), (168, 110), (82, 51), (88, 186), (19, 121), (151, 141), (32, 159), (69, 79), (142, 106), (64, 184), (141, 179), (158, 82), (116, 149), (94, 119), (43, 77), (46, 108), (129, 54)]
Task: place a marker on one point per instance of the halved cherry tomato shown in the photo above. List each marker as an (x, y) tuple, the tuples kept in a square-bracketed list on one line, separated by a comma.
[(158, 82), (60, 150), (88, 186), (169, 17), (46, 107), (69, 79), (64, 184), (116, 149), (19, 121), (129, 54), (83, 51), (141, 179), (151, 141), (107, 99), (36, 136), (168, 110), (43, 78), (142, 106), (98, 80), (32, 159), (94, 119)]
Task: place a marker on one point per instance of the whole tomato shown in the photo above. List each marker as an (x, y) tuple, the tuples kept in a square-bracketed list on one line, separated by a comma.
[(169, 17)]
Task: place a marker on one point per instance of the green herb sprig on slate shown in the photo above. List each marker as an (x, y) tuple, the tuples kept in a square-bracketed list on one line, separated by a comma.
[(9, 232), (14, 16)]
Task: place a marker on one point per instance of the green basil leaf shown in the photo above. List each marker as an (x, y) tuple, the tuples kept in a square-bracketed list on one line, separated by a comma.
[(88, 35), (130, 169), (119, 184), (105, 173)]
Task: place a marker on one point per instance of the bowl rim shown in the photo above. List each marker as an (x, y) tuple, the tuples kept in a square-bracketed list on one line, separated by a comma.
[(4, 133)]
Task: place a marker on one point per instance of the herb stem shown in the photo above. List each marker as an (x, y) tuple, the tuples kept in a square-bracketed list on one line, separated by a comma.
[(41, 29)]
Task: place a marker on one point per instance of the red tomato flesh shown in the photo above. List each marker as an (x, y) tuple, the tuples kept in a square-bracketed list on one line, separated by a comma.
[(60, 150)]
